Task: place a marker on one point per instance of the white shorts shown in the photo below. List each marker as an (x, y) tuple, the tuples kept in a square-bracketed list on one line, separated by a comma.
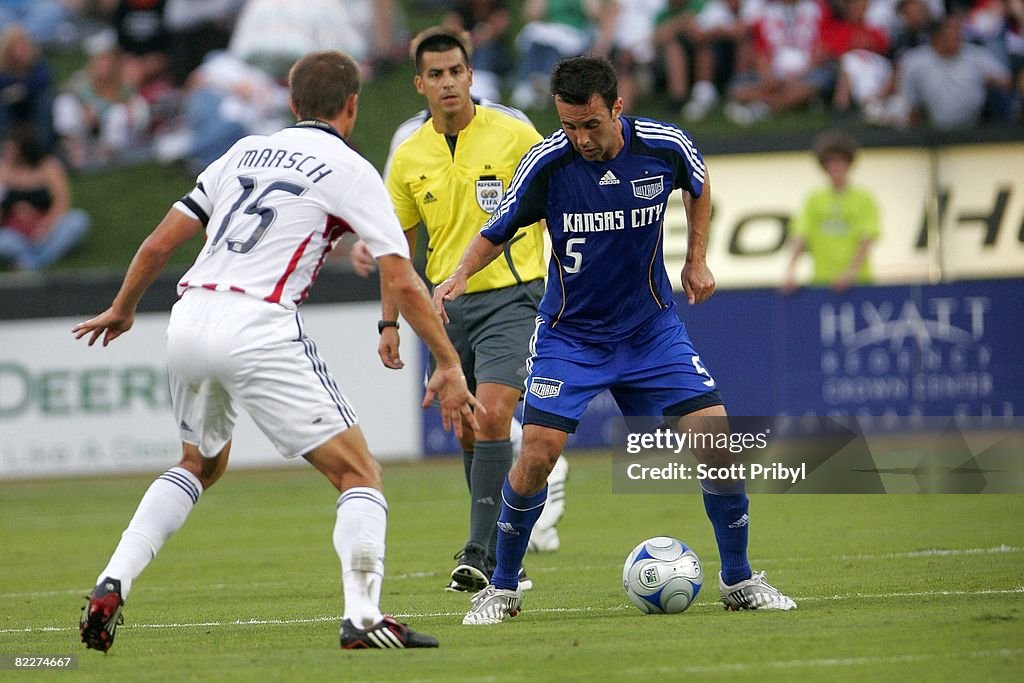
[(226, 350)]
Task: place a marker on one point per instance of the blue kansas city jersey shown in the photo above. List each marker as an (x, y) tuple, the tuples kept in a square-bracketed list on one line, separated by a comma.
[(606, 276)]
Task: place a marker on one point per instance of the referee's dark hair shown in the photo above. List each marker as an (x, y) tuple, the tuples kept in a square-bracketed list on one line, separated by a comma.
[(576, 79), (321, 83), (438, 39)]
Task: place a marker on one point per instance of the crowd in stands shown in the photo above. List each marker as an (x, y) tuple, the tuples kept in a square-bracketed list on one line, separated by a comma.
[(181, 80)]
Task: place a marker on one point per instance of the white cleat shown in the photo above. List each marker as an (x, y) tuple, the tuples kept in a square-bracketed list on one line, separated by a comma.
[(544, 540), (754, 593), (492, 605)]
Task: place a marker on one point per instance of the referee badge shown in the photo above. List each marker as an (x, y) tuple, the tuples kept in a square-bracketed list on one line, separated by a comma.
[(488, 193)]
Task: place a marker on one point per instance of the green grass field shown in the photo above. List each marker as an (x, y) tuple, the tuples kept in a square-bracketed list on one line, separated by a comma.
[(914, 587)]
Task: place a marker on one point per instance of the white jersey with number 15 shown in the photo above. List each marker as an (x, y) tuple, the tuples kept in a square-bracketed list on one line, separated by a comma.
[(273, 207)]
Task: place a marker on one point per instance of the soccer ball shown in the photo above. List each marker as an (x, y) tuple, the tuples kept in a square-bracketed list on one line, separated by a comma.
[(662, 576)]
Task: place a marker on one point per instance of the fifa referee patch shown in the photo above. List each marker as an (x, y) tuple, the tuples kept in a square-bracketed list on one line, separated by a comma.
[(488, 193)]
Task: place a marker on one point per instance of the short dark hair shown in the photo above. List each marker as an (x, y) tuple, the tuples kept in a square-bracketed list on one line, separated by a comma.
[(321, 83), (576, 79), (438, 39), (29, 143), (835, 143)]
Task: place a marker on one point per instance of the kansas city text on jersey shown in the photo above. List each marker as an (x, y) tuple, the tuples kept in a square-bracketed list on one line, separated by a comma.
[(599, 221), (301, 162)]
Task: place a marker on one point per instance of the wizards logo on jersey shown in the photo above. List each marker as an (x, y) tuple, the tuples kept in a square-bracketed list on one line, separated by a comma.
[(542, 387), (648, 188), (488, 193)]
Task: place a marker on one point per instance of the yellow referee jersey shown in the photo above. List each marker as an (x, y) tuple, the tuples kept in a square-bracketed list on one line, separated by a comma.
[(453, 195)]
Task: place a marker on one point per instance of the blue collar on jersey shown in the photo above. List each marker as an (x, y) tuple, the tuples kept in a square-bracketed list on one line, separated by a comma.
[(319, 125)]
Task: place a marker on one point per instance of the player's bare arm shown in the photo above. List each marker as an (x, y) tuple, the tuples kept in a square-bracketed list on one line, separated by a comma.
[(478, 254), (448, 383), (387, 347), (174, 230), (361, 259), (697, 279)]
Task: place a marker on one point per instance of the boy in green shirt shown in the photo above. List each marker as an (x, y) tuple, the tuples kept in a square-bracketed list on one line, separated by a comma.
[(838, 223)]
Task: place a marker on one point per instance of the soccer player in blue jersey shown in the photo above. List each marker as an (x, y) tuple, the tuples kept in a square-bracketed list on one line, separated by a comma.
[(608, 319)]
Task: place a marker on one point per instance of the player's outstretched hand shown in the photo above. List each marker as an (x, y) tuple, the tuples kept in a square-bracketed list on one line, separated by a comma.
[(387, 349), (448, 384), (362, 260), (449, 290), (108, 323), (698, 282)]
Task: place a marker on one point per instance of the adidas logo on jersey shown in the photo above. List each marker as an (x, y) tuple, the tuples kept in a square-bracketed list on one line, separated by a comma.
[(608, 179), (428, 197)]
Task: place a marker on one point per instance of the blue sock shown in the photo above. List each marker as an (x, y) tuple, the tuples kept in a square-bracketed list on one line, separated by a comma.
[(728, 515), (515, 523)]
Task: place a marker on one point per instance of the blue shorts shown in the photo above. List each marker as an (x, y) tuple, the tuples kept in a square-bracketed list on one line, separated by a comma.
[(653, 373)]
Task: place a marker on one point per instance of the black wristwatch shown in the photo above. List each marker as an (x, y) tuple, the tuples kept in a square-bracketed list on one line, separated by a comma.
[(381, 324)]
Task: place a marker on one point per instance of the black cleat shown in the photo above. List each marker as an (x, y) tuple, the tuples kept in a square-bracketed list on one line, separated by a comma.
[(471, 574), (102, 615), (386, 634)]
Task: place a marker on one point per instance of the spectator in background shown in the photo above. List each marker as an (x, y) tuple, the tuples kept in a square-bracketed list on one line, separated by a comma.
[(886, 13), (145, 44), (196, 28), (792, 67), (838, 223), (47, 22), (672, 29), (626, 35), (37, 224), (273, 34), (487, 23), (26, 85), (225, 99), (554, 29), (384, 21), (910, 28), (100, 117), (722, 48), (951, 84), (865, 72)]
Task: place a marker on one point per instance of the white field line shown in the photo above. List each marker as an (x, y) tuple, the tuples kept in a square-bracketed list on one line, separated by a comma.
[(913, 554), (832, 662), (705, 605)]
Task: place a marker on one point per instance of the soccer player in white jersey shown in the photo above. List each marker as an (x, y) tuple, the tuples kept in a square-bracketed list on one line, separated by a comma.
[(272, 207), (608, 318)]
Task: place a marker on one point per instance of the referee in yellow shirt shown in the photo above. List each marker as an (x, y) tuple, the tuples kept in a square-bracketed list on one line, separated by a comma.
[(450, 174)]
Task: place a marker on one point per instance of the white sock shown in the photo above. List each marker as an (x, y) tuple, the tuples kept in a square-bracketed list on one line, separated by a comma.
[(515, 435), (161, 512), (359, 542), (554, 508)]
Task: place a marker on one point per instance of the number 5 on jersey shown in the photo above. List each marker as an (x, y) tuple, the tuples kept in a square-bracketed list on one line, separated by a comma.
[(577, 257)]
